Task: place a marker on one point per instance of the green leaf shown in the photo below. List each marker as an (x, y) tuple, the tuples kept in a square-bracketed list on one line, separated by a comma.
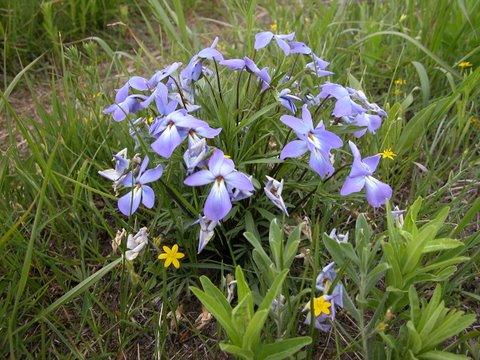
[(15, 81), (219, 312), (255, 242), (274, 290), (394, 274), (266, 269), (374, 276), (275, 239), (411, 215), (445, 264), (441, 244), (414, 339), (251, 338), (242, 313), (430, 308), (467, 218), (452, 324), (433, 320), (424, 82), (350, 306), (255, 116), (414, 304), (243, 290), (283, 348), (291, 247), (237, 351), (441, 355), (415, 247), (215, 292), (363, 231)]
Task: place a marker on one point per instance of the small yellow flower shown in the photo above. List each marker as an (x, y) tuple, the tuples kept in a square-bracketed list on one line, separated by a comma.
[(400, 82), (402, 18), (171, 256), (464, 64), (382, 327), (388, 154), (149, 120), (273, 26), (321, 306), (227, 156), (475, 121)]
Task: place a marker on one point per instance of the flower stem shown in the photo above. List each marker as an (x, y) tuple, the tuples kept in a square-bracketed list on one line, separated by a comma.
[(218, 80), (238, 96)]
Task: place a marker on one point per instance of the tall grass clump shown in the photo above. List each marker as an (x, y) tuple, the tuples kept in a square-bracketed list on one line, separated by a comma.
[(30, 28)]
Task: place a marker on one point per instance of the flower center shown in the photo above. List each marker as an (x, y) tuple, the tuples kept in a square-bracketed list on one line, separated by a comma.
[(219, 179), (313, 139)]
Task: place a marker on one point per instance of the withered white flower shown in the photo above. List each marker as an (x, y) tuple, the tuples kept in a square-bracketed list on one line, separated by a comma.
[(273, 190), (135, 243), (340, 238)]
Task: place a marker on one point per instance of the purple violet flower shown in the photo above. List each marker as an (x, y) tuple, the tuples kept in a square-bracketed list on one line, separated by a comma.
[(328, 274), (247, 64), (171, 130), (370, 122), (360, 96), (163, 74), (318, 141), (195, 155), (361, 176), (121, 168), (239, 194), (262, 39), (288, 100), (161, 97), (344, 105), (130, 202), (221, 172), (298, 47), (318, 66), (131, 104), (207, 228), (194, 70)]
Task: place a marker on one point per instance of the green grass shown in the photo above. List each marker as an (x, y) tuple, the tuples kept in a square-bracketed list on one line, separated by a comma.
[(63, 290)]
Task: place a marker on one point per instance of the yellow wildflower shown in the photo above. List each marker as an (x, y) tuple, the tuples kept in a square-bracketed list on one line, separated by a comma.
[(475, 121), (149, 120), (400, 82), (321, 306), (397, 92), (382, 327), (171, 256), (388, 154), (402, 18), (227, 156), (464, 64), (273, 26)]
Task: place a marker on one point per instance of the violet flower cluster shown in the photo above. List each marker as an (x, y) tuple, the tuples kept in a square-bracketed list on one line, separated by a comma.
[(171, 93)]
